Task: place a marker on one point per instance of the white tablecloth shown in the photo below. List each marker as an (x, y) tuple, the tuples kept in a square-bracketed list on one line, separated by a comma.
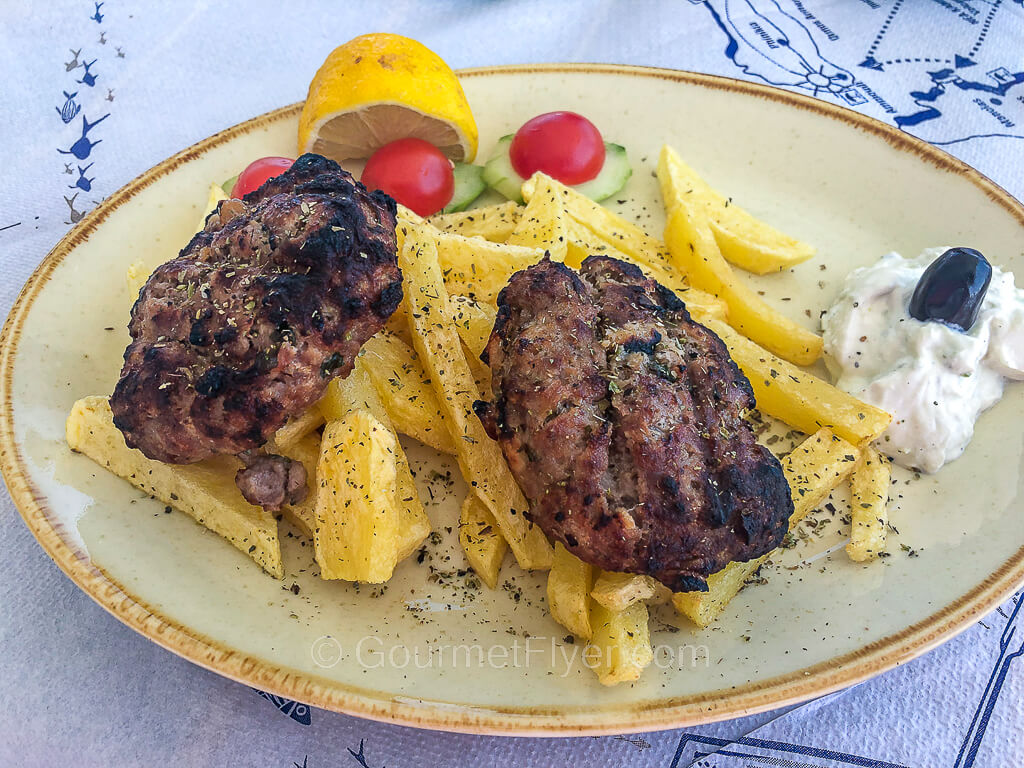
[(95, 93)]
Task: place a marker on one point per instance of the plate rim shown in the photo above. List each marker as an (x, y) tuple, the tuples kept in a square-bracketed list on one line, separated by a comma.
[(757, 696)]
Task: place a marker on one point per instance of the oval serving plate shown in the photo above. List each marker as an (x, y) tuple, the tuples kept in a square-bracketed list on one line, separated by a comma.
[(429, 650)]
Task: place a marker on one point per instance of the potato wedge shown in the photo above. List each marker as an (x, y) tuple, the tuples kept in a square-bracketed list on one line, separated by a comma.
[(478, 268), (480, 372), (494, 222), (437, 343), (398, 326), (474, 322), (798, 398), (206, 491), (215, 195), (356, 533), (583, 243), (613, 229), (623, 643), (813, 469), (481, 540), (745, 241), (869, 486), (569, 583), (413, 523), (407, 215), (696, 254), (618, 591), (406, 391), (297, 428), (307, 452), (358, 392), (543, 221)]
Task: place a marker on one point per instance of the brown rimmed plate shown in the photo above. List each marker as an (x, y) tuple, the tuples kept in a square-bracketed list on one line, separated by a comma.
[(428, 651)]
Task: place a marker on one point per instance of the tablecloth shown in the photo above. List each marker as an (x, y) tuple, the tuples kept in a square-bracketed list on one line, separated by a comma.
[(96, 92)]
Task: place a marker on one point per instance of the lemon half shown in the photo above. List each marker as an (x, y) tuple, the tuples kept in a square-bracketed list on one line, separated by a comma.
[(380, 87)]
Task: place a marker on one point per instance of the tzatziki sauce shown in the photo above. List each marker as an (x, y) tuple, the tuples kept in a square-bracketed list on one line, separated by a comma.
[(934, 379)]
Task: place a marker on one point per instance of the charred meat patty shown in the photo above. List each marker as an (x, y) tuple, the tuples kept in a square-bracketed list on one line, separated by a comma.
[(623, 421), (255, 316)]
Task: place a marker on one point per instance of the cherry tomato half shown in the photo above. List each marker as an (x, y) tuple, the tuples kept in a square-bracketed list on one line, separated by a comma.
[(414, 172), (257, 172), (564, 145)]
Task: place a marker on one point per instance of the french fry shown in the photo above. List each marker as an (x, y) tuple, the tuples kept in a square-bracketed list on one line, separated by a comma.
[(593, 229), (413, 523), (798, 398), (406, 391), (215, 195), (355, 537), (307, 452), (358, 392), (623, 641), (583, 243), (869, 488), (543, 223), (297, 428), (480, 372), (478, 268), (618, 591), (398, 326), (813, 469), (135, 277), (437, 343), (624, 236), (743, 240), (696, 254), (474, 322), (409, 216), (494, 223), (481, 540), (569, 583), (206, 491)]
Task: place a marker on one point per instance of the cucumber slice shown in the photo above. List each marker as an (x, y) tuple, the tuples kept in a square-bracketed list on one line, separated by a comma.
[(499, 173), (502, 177), (469, 185), (229, 185), (613, 176)]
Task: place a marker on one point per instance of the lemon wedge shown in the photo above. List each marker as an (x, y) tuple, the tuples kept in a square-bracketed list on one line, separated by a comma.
[(380, 87)]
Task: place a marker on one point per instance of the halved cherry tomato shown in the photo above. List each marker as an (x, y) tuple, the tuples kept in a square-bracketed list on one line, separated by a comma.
[(414, 172), (257, 172), (564, 145)]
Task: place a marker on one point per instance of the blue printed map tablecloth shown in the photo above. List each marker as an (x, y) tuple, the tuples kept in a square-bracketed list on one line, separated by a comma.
[(96, 92)]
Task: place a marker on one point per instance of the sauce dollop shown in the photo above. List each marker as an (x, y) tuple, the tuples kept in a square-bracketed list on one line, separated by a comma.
[(933, 378)]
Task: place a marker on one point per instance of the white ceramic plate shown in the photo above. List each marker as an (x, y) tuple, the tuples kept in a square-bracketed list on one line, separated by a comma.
[(852, 186)]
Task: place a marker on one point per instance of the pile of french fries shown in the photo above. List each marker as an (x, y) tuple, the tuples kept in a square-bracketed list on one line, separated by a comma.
[(420, 376)]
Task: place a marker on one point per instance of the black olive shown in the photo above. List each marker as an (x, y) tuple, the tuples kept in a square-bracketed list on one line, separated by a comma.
[(952, 288)]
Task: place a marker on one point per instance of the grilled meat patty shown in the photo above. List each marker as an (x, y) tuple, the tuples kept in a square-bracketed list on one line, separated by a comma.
[(623, 422), (254, 317)]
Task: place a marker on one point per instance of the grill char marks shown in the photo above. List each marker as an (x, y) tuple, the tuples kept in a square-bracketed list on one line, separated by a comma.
[(648, 466), (257, 313)]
